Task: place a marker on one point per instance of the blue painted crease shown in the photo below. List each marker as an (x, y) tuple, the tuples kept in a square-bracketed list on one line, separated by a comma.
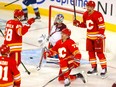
[(32, 57)]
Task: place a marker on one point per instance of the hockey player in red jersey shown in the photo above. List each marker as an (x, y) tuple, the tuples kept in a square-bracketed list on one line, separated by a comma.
[(9, 73), (69, 56), (94, 22), (14, 32), (114, 84)]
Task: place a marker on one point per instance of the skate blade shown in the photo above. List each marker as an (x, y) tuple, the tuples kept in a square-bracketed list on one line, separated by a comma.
[(85, 77), (104, 76), (67, 86), (94, 74), (37, 20)]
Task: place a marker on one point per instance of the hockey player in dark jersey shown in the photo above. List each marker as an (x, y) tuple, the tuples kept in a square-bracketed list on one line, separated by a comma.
[(25, 4)]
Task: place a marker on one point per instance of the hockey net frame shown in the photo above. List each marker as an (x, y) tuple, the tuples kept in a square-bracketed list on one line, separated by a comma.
[(51, 7)]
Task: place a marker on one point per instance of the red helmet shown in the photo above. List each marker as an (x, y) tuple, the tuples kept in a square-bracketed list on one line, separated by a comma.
[(114, 84), (18, 13), (91, 4), (66, 31), (4, 49)]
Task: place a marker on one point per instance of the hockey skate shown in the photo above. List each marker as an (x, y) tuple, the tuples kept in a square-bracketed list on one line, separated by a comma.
[(67, 82), (37, 17), (92, 72), (103, 73), (24, 19), (81, 76)]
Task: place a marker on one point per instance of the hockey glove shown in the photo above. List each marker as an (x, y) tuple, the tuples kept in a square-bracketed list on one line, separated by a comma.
[(76, 64), (16, 84), (31, 21), (77, 58), (47, 54), (76, 23)]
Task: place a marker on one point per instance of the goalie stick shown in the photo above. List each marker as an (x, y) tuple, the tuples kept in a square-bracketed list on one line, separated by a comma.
[(41, 59), (10, 3), (21, 61), (56, 30), (57, 77)]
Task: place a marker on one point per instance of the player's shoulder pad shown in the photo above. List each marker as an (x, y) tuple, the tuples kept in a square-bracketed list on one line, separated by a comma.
[(70, 41)]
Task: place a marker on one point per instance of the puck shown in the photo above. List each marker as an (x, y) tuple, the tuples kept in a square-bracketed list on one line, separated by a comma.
[(31, 57)]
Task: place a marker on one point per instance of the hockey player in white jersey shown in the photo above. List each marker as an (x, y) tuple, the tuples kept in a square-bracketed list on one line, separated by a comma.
[(54, 36), (58, 26)]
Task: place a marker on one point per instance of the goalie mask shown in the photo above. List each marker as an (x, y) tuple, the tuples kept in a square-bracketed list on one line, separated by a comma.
[(59, 18)]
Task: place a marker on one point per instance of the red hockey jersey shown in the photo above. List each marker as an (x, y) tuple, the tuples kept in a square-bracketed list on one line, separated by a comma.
[(9, 74), (66, 49), (13, 34), (94, 23)]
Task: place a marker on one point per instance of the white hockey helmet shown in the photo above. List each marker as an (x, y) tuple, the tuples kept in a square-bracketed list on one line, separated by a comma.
[(59, 18)]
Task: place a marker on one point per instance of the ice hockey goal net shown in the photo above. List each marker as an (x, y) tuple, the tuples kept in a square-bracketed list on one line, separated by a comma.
[(67, 12), (68, 20)]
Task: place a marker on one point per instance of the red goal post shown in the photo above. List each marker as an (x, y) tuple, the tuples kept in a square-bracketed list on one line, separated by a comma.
[(51, 11)]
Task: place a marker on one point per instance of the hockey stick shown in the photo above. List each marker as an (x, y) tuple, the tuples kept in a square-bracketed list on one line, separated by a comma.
[(1, 32), (10, 3), (57, 76), (56, 30), (21, 61), (25, 68), (74, 9), (41, 59)]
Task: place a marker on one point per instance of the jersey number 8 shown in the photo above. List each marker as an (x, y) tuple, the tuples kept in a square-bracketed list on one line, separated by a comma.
[(9, 35)]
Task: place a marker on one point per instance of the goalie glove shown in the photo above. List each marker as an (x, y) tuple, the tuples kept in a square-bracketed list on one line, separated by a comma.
[(42, 38)]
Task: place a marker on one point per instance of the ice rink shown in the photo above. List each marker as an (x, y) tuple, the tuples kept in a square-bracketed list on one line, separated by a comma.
[(32, 52)]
